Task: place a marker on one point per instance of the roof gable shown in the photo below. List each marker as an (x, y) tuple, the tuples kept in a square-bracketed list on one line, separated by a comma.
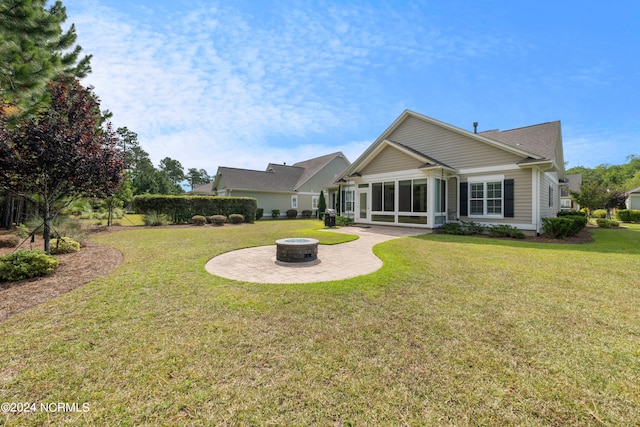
[(276, 177), (518, 145)]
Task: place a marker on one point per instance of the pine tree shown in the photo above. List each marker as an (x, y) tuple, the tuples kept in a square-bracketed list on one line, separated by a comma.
[(33, 51)]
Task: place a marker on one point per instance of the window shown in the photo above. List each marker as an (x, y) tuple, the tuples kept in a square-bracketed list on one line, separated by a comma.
[(485, 198), (550, 196), (383, 196), (294, 202), (412, 195), (314, 202), (349, 198)]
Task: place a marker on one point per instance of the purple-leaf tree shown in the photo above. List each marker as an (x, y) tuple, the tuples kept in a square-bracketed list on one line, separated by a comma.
[(65, 152)]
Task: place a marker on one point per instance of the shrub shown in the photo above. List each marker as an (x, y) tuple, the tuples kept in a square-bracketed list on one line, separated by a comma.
[(504, 230), (236, 218), (628, 215), (275, 213), (292, 213), (571, 213), (198, 220), (22, 231), (218, 219), (9, 241), (607, 223), (307, 213), (559, 228), (462, 228), (64, 245), (455, 228), (26, 264), (599, 213), (259, 213), (154, 218), (343, 221)]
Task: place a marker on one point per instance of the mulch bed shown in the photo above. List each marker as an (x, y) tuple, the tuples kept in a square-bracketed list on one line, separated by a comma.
[(75, 269)]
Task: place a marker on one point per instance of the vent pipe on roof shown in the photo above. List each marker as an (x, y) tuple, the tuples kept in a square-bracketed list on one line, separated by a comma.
[(475, 127)]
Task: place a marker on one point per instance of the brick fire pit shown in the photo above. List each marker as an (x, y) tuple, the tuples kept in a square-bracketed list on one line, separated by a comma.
[(297, 250)]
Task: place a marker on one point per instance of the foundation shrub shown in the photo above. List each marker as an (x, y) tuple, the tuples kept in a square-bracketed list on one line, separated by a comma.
[(292, 213), (236, 218), (559, 228), (25, 264), (275, 213), (64, 245), (343, 221), (259, 213), (504, 230), (307, 213)]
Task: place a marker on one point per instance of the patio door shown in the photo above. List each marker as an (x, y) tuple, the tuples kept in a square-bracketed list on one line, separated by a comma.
[(363, 203)]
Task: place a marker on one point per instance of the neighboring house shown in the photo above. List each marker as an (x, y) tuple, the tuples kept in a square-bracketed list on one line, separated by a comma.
[(423, 172), (572, 184), (633, 199), (280, 187)]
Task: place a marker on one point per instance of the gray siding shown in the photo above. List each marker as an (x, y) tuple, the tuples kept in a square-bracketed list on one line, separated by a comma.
[(324, 177), (449, 147), (545, 209), (391, 159), (522, 197)]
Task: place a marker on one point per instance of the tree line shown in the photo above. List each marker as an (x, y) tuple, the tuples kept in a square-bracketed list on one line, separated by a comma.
[(606, 186), (56, 145)]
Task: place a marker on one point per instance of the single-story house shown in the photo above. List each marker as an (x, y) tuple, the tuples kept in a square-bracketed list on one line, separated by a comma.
[(424, 173), (633, 199), (280, 186), (573, 182)]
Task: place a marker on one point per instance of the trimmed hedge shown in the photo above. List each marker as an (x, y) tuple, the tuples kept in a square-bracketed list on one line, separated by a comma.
[(628, 215), (182, 208)]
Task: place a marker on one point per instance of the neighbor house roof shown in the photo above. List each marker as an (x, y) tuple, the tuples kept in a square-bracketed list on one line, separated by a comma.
[(277, 177)]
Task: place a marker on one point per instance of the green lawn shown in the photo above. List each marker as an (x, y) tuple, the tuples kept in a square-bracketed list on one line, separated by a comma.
[(451, 331)]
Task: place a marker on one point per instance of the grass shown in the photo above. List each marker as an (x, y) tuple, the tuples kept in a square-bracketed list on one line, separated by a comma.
[(452, 330)]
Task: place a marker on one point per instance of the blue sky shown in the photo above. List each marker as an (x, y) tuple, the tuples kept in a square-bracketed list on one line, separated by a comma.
[(243, 83)]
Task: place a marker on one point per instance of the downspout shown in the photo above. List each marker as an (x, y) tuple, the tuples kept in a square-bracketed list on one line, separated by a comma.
[(535, 199)]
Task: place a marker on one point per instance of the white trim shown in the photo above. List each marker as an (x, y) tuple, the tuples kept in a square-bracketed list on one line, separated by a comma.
[(486, 169), (535, 198), (485, 178)]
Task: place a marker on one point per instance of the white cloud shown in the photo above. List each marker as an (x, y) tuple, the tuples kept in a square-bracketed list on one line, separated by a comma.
[(215, 87)]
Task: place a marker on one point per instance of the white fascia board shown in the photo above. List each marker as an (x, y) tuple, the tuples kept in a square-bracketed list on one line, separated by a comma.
[(489, 169)]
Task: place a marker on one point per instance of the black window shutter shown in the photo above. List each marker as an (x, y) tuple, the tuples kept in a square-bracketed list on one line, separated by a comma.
[(464, 198), (509, 207)]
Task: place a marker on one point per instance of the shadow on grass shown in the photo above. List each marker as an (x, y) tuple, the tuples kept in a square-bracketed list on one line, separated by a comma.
[(624, 240)]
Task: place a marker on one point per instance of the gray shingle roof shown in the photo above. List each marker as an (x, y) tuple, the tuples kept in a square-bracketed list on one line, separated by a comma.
[(538, 139), (276, 177)]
